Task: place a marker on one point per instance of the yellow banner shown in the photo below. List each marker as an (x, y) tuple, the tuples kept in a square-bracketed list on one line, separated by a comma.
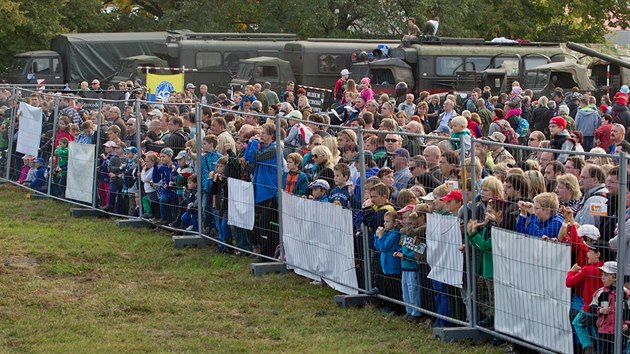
[(161, 86)]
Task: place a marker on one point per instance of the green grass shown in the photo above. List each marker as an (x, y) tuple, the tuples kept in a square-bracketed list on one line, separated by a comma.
[(84, 285)]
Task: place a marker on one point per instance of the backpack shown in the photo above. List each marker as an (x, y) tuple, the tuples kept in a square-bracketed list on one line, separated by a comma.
[(523, 127), (510, 135)]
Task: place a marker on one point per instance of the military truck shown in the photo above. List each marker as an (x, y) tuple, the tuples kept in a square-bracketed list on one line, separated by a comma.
[(216, 56), (608, 72), (128, 68), (544, 79), (442, 64), (81, 57)]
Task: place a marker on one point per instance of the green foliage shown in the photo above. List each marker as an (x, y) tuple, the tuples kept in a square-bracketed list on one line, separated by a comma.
[(31, 24)]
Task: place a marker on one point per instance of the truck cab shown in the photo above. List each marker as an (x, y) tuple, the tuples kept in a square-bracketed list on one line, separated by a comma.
[(258, 70), (128, 68), (33, 67), (543, 79)]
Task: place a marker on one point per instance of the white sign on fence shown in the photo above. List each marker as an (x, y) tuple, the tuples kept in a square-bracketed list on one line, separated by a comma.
[(80, 172), (318, 241), (443, 241), (241, 204), (531, 300), (30, 132)]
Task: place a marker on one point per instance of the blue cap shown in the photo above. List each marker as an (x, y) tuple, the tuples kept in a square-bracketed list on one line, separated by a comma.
[(131, 149), (40, 160)]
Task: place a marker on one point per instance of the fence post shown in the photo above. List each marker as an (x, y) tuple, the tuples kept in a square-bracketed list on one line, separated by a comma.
[(52, 145), (139, 121), (621, 250), (469, 276), (97, 144), (11, 133), (279, 171), (198, 143), (470, 256), (367, 271)]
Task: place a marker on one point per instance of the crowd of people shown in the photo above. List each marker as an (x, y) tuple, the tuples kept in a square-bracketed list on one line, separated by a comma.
[(412, 153)]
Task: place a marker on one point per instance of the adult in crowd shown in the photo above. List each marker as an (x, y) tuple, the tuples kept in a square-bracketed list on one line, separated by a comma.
[(587, 121), (218, 127), (260, 154), (594, 191)]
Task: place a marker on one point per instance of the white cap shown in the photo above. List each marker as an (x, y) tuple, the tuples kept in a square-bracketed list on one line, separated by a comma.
[(155, 112), (589, 231), (345, 72)]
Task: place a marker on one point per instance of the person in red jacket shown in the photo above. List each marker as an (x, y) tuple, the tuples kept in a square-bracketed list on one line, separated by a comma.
[(602, 133), (576, 236), (586, 280)]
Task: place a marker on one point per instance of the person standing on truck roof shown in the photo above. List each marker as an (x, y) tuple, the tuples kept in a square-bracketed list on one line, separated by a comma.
[(366, 89), (340, 85)]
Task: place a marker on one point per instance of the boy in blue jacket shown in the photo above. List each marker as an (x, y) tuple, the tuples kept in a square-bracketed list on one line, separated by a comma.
[(540, 219), (39, 182)]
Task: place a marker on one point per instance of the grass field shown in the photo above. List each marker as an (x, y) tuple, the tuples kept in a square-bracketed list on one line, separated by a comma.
[(83, 285)]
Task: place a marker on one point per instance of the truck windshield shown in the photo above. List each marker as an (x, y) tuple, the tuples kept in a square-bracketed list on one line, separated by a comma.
[(18, 66), (536, 80)]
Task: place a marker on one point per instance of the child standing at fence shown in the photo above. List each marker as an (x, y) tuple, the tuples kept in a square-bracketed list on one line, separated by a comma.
[(343, 192), (150, 198), (209, 160), (410, 245), (295, 181), (479, 235), (604, 307), (116, 167), (39, 182), (219, 195), (586, 280), (61, 167), (387, 242), (103, 175), (189, 218), (319, 190), (164, 177)]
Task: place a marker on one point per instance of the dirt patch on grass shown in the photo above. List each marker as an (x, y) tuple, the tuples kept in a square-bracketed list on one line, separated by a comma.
[(19, 262)]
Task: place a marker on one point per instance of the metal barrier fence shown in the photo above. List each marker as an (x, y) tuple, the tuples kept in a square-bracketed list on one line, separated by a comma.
[(451, 231)]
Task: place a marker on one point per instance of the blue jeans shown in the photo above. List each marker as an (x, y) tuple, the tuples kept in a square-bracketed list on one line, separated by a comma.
[(588, 142), (441, 303), (225, 235), (168, 202), (190, 218), (242, 237), (411, 293)]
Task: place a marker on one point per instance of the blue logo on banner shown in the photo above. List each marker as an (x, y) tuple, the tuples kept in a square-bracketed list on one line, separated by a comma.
[(164, 90)]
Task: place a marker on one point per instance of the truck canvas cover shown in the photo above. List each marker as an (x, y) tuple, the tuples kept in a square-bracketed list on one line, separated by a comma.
[(96, 55)]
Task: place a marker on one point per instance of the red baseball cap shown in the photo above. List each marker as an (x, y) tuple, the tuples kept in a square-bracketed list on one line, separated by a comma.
[(559, 121), (453, 195)]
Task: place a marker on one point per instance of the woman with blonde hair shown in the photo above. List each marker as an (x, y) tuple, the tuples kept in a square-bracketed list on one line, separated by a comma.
[(541, 218), (323, 158), (536, 183), (568, 191), (331, 143)]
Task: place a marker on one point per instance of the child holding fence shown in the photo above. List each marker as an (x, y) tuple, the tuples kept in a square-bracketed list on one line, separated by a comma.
[(295, 181), (189, 218), (479, 235), (343, 192), (150, 197), (604, 307), (209, 160), (163, 177), (387, 242), (409, 246), (219, 195), (586, 279)]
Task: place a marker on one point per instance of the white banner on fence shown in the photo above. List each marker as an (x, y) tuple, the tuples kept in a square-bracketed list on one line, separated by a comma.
[(30, 132), (444, 238), (531, 300), (80, 172), (318, 241), (241, 204)]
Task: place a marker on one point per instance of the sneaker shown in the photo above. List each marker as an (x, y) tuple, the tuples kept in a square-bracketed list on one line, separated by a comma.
[(190, 228), (413, 319), (316, 282), (147, 215)]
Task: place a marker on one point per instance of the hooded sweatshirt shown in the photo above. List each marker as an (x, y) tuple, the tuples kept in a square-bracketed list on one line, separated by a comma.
[(586, 121)]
